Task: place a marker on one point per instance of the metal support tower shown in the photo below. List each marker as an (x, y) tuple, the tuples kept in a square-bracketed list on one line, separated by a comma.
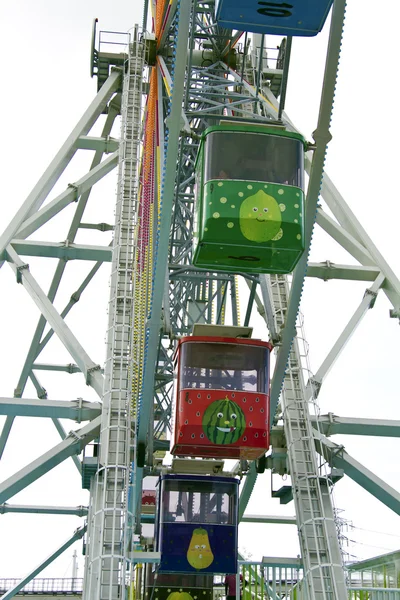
[(109, 514)]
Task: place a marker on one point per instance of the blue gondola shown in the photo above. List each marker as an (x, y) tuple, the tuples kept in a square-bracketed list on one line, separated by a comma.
[(291, 17), (197, 524)]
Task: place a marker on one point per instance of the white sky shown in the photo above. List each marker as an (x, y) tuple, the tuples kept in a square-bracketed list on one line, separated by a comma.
[(46, 88)]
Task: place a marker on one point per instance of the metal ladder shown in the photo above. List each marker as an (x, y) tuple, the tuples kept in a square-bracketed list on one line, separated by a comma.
[(109, 517), (323, 569)]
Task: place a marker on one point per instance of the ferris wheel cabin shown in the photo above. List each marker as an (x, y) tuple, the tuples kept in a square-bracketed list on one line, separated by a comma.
[(249, 198), (197, 524), (296, 17), (222, 397)]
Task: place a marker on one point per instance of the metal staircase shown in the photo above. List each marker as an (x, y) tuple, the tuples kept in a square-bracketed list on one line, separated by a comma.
[(323, 568)]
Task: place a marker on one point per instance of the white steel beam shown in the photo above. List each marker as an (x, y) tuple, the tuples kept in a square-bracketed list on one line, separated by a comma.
[(37, 343), (61, 160), (63, 435), (348, 220), (78, 534), (314, 385), (269, 519), (73, 444), (100, 144), (61, 250), (77, 511), (69, 368), (78, 410), (331, 424), (329, 270), (338, 457), (91, 370), (247, 489), (267, 303), (344, 238), (71, 194)]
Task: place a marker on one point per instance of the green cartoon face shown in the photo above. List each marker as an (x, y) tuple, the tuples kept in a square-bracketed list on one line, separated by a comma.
[(260, 218)]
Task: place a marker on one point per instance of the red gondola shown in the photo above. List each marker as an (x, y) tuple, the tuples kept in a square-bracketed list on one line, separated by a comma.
[(222, 397)]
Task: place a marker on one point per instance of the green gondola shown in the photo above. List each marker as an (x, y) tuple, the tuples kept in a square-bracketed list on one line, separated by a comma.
[(249, 199)]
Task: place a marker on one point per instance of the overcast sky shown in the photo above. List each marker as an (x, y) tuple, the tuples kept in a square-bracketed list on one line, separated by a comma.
[(46, 88)]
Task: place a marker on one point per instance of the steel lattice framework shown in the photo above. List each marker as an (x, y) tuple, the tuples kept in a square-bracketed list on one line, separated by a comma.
[(168, 89)]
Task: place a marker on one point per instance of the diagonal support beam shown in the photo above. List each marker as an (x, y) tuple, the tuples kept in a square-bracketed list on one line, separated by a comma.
[(90, 369), (345, 239), (61, 160), (78, 534), (338, 457), (72, 445), (348, 220), (368, 301), (247, 489), (71, 194), (37, 344)]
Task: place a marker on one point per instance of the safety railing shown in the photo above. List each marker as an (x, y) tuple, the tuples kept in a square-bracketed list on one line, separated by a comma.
[(371, 593), (260, 581), (59, 585)]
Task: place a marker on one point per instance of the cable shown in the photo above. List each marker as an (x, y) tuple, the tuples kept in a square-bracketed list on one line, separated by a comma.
[(373, 531)]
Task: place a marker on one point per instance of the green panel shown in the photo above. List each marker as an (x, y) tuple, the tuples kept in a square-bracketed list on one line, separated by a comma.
[(249, 226)]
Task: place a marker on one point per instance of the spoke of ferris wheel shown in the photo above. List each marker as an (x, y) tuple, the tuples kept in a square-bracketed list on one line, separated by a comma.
[(73, 444), (321, 136), (60, 161), (90, 370)]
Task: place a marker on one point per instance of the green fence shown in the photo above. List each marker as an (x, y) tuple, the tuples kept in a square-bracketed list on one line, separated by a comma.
[(281, 579)]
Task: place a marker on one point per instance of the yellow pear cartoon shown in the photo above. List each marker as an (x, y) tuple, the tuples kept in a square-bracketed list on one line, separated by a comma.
[(199, 553), (260, 217), (180, 596)]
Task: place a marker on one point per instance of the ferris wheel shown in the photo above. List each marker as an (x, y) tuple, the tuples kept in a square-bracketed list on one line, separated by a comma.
[(218, 197)]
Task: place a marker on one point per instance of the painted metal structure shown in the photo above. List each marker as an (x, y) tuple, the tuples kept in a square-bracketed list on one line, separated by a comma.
[(196, 76)]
